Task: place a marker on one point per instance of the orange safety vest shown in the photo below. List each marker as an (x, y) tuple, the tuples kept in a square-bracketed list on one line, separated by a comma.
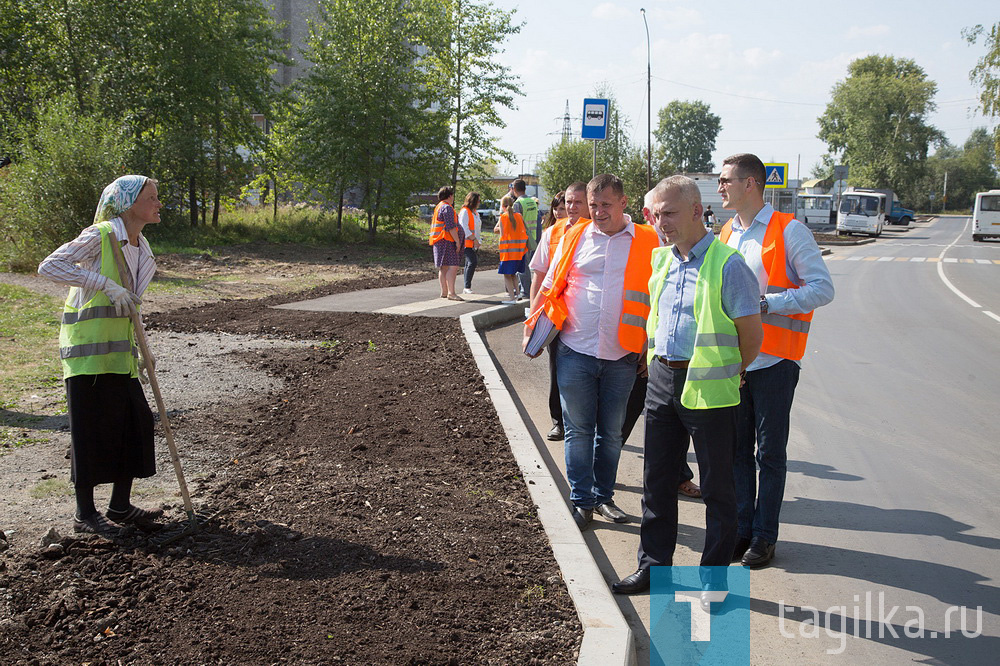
[(558, 231), (437, 225), (513, 238), (785, 335), (469, 242), (635, 306)]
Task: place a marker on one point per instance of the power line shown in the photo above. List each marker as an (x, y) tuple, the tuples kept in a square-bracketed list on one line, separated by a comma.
[(722, 92)]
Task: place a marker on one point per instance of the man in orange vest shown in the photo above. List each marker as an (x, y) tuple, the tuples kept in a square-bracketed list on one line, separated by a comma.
[(794, 281), (576, 210), (597, 294)]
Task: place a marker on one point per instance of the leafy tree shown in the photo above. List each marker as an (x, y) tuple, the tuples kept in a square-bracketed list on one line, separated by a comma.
[(986, 74), (566, 162), (473, 82), (364, 119), (969, 168), (876, 121), (50, 192), (686, 133)]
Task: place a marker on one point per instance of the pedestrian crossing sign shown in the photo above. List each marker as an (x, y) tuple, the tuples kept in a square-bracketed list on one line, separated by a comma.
[(776, 176)]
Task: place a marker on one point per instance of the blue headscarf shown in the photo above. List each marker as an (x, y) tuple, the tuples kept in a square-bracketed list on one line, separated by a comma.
[(118, 197)]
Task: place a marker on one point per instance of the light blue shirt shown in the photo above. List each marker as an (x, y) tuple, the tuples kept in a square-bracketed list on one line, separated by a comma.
[(676, 330), (804, 263)]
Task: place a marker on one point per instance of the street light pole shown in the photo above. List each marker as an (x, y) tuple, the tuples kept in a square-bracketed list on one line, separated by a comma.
[(649, 111)]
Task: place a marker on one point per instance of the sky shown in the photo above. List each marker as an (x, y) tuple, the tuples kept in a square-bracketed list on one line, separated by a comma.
[(765, 68)]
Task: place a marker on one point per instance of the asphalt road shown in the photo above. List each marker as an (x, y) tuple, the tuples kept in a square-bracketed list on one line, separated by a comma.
[(893, 473)]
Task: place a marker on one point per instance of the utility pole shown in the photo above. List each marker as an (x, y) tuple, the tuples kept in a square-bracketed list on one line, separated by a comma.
[(649, 110), (567, 129), (944, 197)]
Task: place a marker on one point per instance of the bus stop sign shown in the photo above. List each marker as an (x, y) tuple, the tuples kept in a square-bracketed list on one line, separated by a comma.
[(595, 119)]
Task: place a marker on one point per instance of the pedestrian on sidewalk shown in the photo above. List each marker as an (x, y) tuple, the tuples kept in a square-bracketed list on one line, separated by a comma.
[(597, 296), (559, 218), (513, 246), (793, 281), (704, 329), (446, 239), (111, 425), (527, 208), (471, 225)]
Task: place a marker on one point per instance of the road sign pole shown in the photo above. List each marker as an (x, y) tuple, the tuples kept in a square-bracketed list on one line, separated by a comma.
[(594, 174)]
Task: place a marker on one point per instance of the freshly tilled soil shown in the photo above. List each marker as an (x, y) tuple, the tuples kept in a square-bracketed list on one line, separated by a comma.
[(369, 511)]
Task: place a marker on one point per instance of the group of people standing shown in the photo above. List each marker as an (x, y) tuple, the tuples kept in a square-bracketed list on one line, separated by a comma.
[(710, 330), (518, 226)]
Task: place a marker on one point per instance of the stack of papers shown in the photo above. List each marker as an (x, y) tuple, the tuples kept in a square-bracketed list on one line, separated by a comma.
[(542, 336)]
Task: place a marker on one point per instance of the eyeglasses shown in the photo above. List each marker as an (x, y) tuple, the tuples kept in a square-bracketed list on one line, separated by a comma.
[(726, 181)]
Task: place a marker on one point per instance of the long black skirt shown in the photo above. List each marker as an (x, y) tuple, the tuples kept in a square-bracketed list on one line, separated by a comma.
[(111, 428)]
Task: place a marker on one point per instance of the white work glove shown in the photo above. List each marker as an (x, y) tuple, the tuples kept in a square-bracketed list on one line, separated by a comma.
[(120, 297), (145, 365)]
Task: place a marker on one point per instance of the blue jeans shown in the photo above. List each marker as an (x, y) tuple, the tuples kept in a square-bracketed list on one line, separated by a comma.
[(593, 394), (762, 427), (471, 261)]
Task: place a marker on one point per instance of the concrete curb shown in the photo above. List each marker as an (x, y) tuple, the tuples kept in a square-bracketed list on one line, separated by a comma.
[(862, 241), (607, 639)]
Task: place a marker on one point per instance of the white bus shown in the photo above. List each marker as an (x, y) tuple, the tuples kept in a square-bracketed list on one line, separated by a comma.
[(986, 216), (814, 208), (861, 213)]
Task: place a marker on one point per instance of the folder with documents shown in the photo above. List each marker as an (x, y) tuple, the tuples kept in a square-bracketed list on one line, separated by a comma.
[(542, 335)]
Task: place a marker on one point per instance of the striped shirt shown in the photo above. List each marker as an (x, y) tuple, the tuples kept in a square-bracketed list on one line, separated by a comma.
[(78, 263)]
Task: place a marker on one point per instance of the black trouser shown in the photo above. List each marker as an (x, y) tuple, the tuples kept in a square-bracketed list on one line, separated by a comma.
[(669, 427), (636, 402), (471, 261), (555, 407)]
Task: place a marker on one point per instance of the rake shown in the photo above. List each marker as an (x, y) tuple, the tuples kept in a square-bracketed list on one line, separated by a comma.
[(140, 335)]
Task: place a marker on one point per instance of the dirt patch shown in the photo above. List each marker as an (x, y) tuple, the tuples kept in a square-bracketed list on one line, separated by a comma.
[(371, 511)]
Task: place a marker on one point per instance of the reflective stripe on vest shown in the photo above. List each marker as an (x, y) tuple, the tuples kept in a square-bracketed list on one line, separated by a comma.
[(635, 305), (785, 335), (469, 240), (437, 225), (712, 379), (93, 340), (513, 243)]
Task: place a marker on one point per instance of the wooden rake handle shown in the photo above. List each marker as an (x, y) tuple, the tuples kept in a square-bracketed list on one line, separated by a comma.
[(140, 337)]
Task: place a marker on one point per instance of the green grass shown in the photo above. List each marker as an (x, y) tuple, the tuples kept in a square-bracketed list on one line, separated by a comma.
[(29, 343), (300, 225), (51, 488)]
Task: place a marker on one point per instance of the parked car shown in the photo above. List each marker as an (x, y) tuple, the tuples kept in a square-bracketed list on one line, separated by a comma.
[(489, 213)]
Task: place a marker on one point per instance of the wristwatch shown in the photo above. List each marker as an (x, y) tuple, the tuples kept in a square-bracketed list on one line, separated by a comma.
[(763, 305)]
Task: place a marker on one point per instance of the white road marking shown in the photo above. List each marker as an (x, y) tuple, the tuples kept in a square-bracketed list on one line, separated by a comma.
[(886, 258), (947, 282), (983, 261), (950, 260), (990, 314), (918, 259)]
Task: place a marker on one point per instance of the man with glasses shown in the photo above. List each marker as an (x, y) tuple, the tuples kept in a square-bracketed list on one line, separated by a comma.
[(793, 281)]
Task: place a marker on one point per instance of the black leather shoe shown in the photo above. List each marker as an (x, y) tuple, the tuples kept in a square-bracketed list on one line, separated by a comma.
[(741, 548), (633, 583), (556, 434), (582, 516), (759, 554), (611, 512)]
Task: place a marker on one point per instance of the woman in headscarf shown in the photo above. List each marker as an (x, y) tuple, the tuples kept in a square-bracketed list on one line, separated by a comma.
[(111, 425)]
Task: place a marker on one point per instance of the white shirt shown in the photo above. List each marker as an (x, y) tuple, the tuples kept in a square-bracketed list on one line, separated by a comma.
[(463, 219), (595, 291)]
